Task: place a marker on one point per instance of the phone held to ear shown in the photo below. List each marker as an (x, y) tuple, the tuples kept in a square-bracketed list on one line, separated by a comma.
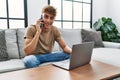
[(41, 25)]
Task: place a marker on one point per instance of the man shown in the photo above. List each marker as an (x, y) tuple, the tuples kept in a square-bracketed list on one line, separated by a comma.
[(39, 41)]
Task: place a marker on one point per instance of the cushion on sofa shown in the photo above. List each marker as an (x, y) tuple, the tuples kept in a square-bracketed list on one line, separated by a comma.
[(11, 43), (3, 48), (111, 44), (71, 36), (11, 65), (89, 35), (107, 55), (20, 39)]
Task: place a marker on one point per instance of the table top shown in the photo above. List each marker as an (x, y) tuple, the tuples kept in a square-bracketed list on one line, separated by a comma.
[(94, 71)]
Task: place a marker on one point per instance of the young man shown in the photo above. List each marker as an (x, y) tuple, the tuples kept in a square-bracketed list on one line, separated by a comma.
[(39, 41)]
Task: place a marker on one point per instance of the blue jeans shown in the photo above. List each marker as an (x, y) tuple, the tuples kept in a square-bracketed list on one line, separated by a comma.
[(35, 60)]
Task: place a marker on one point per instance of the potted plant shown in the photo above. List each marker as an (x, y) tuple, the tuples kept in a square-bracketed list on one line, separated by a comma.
[(108, 29)]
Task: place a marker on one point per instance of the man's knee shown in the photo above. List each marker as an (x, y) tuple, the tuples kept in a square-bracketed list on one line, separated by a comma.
[(31, 61)]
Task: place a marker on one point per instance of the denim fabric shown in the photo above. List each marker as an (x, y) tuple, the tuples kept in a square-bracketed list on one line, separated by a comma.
[(35, 60)]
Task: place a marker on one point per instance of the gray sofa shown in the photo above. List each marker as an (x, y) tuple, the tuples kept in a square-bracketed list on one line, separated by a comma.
[(109, 54)]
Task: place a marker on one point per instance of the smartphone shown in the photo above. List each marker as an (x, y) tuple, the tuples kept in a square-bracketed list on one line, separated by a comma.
[(41, 25)]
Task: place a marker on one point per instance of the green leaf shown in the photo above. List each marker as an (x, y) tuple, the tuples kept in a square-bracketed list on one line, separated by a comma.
[(112, 35), (104, 29), (97, 25), (115, 40), (118, 34), (105, 37), (109, 19), (108, 27), (104, 20)]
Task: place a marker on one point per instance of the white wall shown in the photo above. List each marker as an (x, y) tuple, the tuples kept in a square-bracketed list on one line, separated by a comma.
[(34, 10), (114, 11), (107, 8), (99, 9)]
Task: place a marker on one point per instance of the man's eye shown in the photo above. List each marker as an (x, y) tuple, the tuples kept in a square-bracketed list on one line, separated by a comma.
[(46, 16), (51, 18)]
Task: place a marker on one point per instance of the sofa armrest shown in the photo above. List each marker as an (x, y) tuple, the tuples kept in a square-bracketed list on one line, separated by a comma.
[(111, 44)]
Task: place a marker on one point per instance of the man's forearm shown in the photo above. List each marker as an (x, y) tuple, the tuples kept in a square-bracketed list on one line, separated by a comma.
[(67, 50), (31, 46)]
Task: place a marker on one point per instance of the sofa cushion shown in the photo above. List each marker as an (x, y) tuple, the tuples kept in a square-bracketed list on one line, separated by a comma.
[(71, 36), (89, 35), (11, 43), (3, 48), (20, 38), (107, 55), (111, 44), (11, 65)]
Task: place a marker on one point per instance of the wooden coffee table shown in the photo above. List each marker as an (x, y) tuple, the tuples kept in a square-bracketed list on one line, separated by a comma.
[(94, 71)]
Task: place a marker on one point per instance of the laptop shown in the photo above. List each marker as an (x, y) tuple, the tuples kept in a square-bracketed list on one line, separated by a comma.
[(81, 55)]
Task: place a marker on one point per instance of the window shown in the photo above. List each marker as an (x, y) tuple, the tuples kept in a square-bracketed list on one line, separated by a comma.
[(13, 14), (72, 14)]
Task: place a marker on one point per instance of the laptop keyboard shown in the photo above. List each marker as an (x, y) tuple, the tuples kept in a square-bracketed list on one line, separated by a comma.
[(65, 61)]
